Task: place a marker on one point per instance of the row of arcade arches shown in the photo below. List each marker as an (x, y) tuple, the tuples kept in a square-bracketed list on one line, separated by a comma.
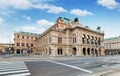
[(85, 51)]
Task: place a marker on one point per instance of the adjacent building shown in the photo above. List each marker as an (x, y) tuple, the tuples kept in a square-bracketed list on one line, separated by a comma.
[(7, 48), (69, 37), (112, 46), (24, 41)]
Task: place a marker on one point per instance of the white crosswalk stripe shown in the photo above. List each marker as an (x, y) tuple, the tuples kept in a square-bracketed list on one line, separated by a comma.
[(17, 68)]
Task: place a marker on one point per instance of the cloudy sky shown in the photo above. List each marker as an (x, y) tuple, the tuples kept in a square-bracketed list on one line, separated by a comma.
[(38, 15)]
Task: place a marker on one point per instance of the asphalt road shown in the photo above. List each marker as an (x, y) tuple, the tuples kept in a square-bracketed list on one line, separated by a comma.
[(80, 67), (84, 66), (45, 68)]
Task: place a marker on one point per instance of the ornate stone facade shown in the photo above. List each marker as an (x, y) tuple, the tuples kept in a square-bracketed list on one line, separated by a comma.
[(112, 46), (69, 37), (24, 41)]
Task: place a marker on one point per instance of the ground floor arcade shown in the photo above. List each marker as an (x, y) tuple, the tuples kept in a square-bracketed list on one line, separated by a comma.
[(70, 51)]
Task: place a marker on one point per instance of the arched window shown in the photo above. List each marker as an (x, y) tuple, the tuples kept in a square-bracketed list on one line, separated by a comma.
[(83, 38), (88, 39), (96, 42), (99, 41), (92, 40)]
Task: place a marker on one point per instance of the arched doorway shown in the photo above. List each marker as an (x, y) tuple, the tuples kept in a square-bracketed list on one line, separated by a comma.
[(92, 52), (88, 51), (59, 51), (74, 52), (18, 51), (84, 51)]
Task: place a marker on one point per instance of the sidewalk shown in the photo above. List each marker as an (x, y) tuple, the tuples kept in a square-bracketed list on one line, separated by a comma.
[(39, 57)]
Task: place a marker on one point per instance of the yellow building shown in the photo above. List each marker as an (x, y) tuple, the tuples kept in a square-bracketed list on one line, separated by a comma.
[(6, 48), (69, 37), (24, 41)]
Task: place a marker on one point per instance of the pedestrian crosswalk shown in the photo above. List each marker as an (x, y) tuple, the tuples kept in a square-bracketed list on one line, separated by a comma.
[(16, 68)]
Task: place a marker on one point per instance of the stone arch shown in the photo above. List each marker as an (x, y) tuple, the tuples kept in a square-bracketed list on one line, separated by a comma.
[(74, 51), (88, 39), (92, 51), (18, 51), (84, 51), (83, 38), (88, 51), (92, 40)]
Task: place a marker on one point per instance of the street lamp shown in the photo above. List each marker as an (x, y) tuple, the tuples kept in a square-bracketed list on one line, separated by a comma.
[(9, 44)]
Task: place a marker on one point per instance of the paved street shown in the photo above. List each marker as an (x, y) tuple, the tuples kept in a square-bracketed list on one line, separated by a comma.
[(62, 66), (13, 69), (80, 67)]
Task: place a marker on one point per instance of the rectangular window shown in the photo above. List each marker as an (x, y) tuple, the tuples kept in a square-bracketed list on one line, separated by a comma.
[(22, 37), (59, 39), (18, 36), (23, 44), (74, 40), (27, 37), (31, 45), (31, 37), (18, 44), (27, 45), (49, 39)]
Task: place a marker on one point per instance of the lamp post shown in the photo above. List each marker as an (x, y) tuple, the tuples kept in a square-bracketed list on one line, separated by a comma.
[(8, 44)]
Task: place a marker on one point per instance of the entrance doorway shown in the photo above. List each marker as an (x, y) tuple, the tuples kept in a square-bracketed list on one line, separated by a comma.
[(74, 52), (84, 51), (60, 51), (18, 51)]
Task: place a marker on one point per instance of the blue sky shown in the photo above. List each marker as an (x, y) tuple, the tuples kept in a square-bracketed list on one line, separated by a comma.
[(38, 15)]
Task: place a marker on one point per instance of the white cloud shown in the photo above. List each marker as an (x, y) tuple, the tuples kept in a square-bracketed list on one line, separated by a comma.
[(21, 4), (50, 8), (27, 4), (43, 23), (79, 12), (6, 12), (111, 4), (39, 27), (26, 17), (56, 10), (4, 35), (1, 20)]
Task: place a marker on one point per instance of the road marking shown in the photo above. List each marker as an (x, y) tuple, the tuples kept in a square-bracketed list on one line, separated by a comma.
[(81, 69), (14, 69), (14, 72), (23, 74)]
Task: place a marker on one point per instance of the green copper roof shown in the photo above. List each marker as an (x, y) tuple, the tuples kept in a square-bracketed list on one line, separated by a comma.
[(28, 33), (66, 20), (114, 38)]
